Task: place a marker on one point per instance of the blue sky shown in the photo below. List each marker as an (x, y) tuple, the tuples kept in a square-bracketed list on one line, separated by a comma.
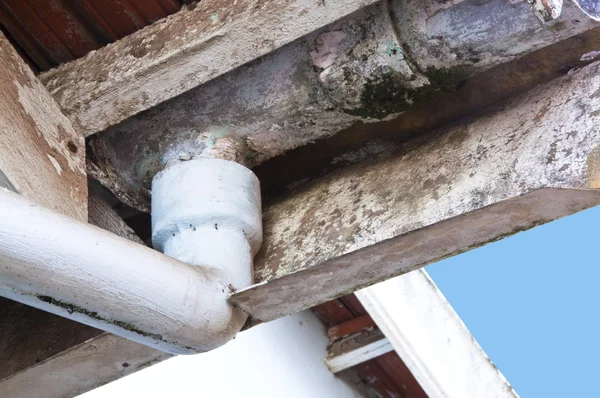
[(531, 301)]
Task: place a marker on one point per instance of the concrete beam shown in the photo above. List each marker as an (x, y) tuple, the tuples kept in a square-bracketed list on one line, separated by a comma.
[(432, 340), (523, 163), (475, 95), (202, 41)]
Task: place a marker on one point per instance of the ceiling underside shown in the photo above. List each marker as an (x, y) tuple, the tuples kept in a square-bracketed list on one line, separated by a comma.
[(386, 374), (50, 32)]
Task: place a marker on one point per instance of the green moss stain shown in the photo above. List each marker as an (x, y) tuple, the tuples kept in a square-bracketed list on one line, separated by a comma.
[(388, 93), (211, 141), (149, 165), (392, 49), (381, 96), (446, 80)]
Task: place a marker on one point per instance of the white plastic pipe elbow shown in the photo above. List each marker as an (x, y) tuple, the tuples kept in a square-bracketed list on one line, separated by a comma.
[(207, 213), (84, 273)]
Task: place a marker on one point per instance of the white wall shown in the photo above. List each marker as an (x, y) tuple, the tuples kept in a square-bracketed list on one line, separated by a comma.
[(284, 358)]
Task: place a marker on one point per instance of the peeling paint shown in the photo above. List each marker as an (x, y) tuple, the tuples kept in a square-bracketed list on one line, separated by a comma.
[(590, 56), (40, 148), (51, 129), (55, 164)]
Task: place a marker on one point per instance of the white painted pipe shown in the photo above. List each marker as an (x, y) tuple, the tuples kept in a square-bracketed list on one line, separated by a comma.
[(84, 273)]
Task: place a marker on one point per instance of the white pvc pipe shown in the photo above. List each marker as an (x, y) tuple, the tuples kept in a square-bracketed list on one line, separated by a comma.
[(84, 273)]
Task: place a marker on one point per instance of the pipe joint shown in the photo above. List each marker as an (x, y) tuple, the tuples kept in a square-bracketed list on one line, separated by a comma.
[(207, 213), (200, 193)]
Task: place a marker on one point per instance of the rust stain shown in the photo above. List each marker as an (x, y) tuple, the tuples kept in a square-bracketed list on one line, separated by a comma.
[(593, 168), (540, 115)]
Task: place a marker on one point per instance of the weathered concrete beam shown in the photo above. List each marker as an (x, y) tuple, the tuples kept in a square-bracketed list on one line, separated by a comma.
[(476, 35), (526, 162), (474, 96), (202, 41), (370, 66), (432, 340), (41, 155)]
